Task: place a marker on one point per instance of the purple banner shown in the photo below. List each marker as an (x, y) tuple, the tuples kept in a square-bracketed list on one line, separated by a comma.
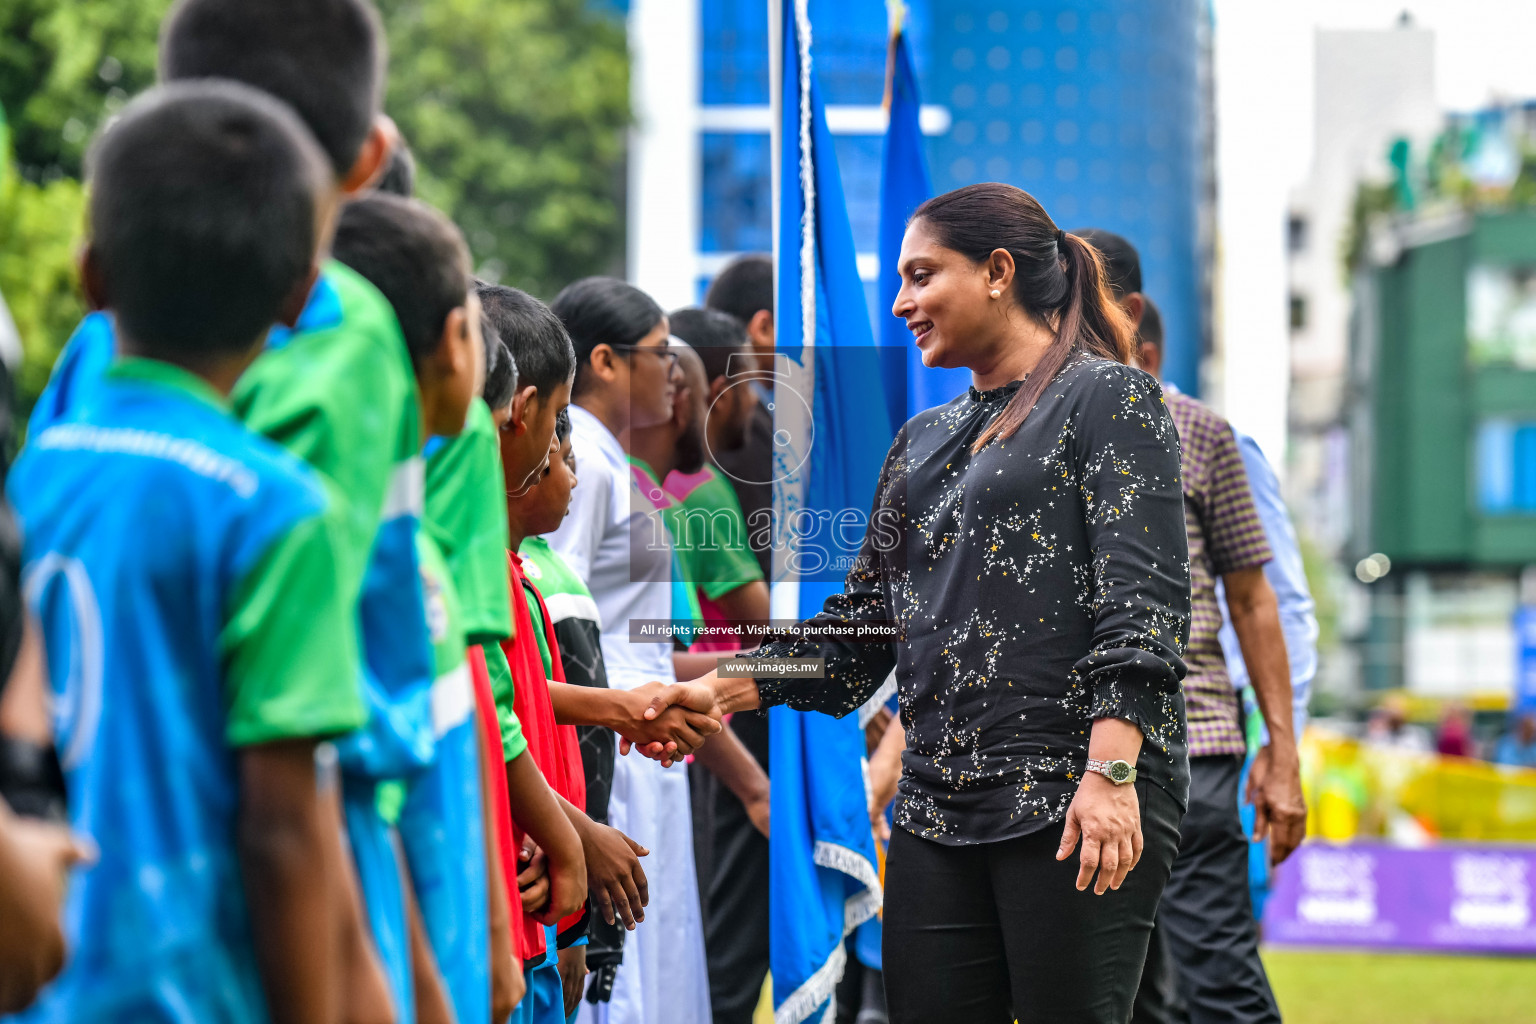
[(1469, 898)]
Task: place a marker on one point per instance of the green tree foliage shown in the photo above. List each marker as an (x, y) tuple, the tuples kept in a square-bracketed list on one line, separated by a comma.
[(40, 227), (64, 66), (516, 113)]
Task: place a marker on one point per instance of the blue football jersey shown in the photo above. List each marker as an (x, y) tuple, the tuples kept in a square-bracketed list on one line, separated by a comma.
[(397, 665), (183, 570)]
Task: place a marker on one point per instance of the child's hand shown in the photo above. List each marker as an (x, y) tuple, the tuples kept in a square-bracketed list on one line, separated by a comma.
[(573, 975), (533, 878), (508, 986), (614, 875), (666, 753), (567, 889), (37, 858), (668, 735)]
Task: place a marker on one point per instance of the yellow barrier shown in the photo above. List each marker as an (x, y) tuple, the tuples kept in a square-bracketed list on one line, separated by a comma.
[(1356, 789)]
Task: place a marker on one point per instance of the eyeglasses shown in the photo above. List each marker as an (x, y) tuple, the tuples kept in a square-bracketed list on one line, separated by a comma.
[(665, 353)]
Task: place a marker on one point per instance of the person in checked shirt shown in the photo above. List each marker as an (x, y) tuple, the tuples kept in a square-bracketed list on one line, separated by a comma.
[(1203, 962)]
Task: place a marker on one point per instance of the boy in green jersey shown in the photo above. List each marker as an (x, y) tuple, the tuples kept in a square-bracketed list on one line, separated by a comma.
[(418, 260), (525, 425), (338, 391), (577, 628)]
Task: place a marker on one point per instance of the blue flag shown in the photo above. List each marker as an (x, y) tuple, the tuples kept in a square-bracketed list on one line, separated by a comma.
[(904, 186), (828, 454)]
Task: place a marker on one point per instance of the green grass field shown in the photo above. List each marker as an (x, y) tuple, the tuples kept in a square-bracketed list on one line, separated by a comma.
[(1336, 987)]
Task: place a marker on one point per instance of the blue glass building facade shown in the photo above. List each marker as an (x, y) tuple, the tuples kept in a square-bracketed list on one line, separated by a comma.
[(1099, 108)]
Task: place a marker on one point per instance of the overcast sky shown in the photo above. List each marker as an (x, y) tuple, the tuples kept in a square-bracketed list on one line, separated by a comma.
[(1483, 49)]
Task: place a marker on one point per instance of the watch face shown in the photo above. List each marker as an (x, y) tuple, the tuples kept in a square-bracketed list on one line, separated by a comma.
[(1119, 771)]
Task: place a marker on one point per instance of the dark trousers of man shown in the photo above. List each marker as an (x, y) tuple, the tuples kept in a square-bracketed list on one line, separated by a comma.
[(997, 932), (732, 857), (1203, 963)]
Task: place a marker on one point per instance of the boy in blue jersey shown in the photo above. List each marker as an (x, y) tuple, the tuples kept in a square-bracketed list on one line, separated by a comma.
[(324, 59), (163, 543), (337, 391)]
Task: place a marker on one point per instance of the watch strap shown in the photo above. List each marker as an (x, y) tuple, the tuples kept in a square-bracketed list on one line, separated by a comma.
[(1105, 769)]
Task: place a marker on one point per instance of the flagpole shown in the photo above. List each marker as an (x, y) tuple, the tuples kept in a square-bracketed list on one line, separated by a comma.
[(783, 590), (895, 11), (776, 121)]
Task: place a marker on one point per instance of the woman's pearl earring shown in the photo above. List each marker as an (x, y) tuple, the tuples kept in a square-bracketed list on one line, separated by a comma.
[(996, 294)]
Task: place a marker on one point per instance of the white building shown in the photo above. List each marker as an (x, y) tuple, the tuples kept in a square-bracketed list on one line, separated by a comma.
[(1372, 87)]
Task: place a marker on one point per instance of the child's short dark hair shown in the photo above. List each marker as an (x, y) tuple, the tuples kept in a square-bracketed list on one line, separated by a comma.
[(500, 367), (563, 425), (535, 336), (324, 58), (743, 287), (399, 177), (411, 253), (204, 216), (714, 335)]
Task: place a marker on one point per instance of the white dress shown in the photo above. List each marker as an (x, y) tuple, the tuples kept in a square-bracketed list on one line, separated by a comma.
[(616, 541)]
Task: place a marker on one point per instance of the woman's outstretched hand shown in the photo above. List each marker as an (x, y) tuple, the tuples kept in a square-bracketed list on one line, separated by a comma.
[(698, 696), (1107, 817)]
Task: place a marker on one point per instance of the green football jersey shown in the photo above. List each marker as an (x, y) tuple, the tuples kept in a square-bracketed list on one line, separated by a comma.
[(467, 517)]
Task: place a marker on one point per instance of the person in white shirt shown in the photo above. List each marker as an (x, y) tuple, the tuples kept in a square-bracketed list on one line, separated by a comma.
[(616, 541)]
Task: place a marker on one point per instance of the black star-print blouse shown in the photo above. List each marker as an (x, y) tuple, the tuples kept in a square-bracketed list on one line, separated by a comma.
[(1037, 585)]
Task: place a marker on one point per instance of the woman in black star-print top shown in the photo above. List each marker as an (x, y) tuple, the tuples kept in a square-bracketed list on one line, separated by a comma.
[(1028, 541), (1038, 584)]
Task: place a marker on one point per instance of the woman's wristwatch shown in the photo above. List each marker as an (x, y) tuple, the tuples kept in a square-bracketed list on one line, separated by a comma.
[(1121, 773)]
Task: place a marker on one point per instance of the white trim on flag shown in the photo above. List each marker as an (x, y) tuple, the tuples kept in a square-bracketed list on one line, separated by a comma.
[(842, 118), (818, 989)]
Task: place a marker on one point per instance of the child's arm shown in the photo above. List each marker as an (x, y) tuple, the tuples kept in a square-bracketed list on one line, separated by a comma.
[(431, 995), (507, 984), (536, 808), (365, 996), (35, 859), (614, 875), (687, 665), (623, 711), (281, 838), (884, 774), (24, 697), (741, 605), (730, 762), (292, 675)]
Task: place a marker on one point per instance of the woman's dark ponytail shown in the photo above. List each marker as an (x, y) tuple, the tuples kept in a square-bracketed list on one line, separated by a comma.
[(1058, 278)]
